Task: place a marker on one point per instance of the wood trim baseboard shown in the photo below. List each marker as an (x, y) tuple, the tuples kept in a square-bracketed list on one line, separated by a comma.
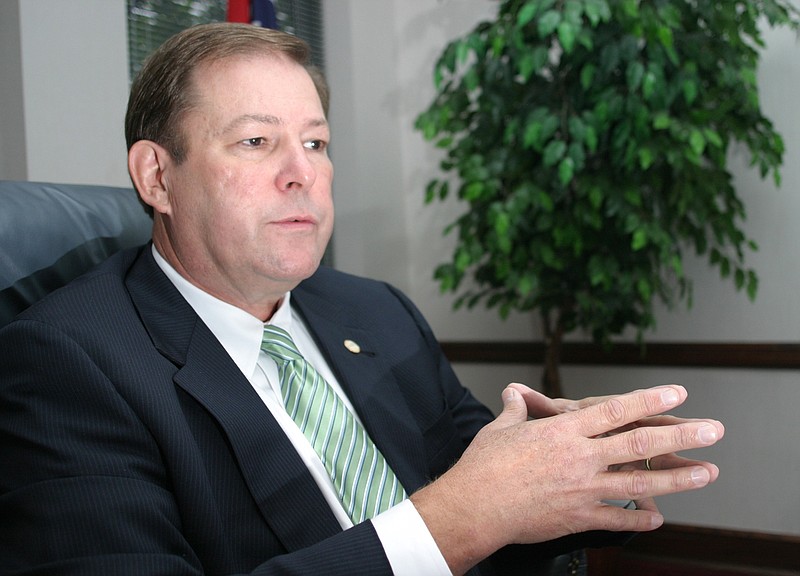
[(677, 544), (774, 355)]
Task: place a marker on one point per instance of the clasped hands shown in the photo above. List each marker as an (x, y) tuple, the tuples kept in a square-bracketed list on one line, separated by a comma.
[(544, 467)]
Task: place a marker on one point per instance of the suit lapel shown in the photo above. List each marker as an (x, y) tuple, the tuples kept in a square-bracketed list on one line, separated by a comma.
[(370, 385), (276, 476)]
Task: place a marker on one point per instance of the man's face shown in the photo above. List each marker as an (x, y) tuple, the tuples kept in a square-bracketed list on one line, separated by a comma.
[(250, 209)]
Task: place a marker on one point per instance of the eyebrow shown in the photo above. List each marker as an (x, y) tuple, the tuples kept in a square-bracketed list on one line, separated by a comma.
[(266, 119)]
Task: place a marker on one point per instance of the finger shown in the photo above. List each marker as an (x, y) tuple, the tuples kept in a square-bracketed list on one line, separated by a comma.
[(619, 411), (648, 504), (649, 442), (590, 401), (669, 420), (514, 409), (650, 421), (618, 519), (670, 461), (664, 420), (539, 405), (639, 485)]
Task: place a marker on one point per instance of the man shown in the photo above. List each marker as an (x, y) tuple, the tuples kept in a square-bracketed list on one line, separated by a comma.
[(144, 423)]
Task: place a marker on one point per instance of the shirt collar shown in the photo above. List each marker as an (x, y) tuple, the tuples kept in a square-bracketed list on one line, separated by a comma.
[(239, 332)]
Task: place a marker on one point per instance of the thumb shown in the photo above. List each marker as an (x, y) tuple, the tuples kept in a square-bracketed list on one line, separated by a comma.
[(514, 408)]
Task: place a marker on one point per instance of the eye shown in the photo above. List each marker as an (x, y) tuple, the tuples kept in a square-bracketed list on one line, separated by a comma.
[(315, 144), (254, 142)]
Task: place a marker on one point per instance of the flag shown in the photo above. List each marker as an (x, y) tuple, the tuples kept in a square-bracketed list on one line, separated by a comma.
[(239, 11), (256, 12)]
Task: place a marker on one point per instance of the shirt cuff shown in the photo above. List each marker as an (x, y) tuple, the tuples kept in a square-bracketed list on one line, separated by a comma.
[(407, 542)]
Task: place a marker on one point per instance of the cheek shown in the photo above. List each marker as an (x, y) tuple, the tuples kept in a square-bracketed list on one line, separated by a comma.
[(323, 186)]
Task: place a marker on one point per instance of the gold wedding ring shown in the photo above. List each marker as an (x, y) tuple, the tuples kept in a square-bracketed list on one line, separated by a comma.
[(647, 464)]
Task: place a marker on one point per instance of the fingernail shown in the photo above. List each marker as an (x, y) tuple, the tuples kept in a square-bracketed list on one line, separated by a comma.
[(707, 434), (509, 394), (670, 397), (700, 476)]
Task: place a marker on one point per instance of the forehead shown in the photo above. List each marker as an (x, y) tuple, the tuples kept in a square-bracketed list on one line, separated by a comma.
[(254, 84)]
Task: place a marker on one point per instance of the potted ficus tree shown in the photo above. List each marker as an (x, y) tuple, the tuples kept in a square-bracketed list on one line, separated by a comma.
[(588, 141)]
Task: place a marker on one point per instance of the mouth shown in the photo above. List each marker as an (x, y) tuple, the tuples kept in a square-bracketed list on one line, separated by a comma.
[(297, 220)]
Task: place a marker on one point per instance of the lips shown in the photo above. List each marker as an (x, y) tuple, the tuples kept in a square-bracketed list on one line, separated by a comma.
[(296, 219), (299, 221)]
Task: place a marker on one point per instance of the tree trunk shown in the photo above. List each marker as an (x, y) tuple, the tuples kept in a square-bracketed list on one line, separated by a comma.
[(551, 377)]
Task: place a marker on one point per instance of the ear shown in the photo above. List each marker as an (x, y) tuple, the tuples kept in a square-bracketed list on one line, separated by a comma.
[(146, 164)]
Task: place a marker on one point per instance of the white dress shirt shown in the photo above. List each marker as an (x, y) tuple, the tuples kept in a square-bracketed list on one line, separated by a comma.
[(405, 537)]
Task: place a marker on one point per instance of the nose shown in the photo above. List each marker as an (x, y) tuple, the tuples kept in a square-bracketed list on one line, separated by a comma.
[(297, 171)]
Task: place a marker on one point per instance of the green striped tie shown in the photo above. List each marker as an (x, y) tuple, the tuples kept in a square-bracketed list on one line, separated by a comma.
[(362, 478)]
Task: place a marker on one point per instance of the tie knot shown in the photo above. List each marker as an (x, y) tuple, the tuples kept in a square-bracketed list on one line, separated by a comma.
[(277, 343)]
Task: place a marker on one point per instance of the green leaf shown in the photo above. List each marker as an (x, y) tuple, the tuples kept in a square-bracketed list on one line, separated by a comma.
[(596, 11), (532, 134), (553, 152), (463, 260), (587, 75), (644, 289), (661, 121), (713, 137), (577, 129), (591, 139), (526, 284), (697, 141), (639, 239), (665, 36), (526, 14), (566, 171), (548, 23), (498, 45), (444, 190), (438, 76), (689, 91), (645, 158), (739, 278), (724, 267), (541, 125), (473, 191), (649, 83), (462, 52), (573, 12), (430, 191), (445, 142), (544, 201), (566, 35), (502, 223), (631, 8), (634, 75), (752, 285), (471, 80), (596, 197), (448, 59), (527, 65)]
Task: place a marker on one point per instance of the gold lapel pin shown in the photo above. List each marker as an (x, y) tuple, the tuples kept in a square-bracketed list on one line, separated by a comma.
[(352, 346)]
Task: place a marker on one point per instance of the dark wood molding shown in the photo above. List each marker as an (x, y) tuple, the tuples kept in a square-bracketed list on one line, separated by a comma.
[(688, 550), (768, 355)]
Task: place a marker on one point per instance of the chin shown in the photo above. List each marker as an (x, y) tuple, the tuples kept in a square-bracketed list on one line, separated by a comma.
[(298, 272)]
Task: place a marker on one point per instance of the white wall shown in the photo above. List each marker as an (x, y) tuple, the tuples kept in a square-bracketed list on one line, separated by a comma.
[(12, 125), (381, 56), (63, 87), (64, 99)]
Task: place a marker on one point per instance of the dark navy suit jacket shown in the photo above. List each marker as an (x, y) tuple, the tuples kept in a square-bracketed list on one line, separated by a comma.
[(130, 443)]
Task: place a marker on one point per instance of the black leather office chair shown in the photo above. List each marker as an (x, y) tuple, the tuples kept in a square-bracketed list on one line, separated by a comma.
[(52, 233)]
